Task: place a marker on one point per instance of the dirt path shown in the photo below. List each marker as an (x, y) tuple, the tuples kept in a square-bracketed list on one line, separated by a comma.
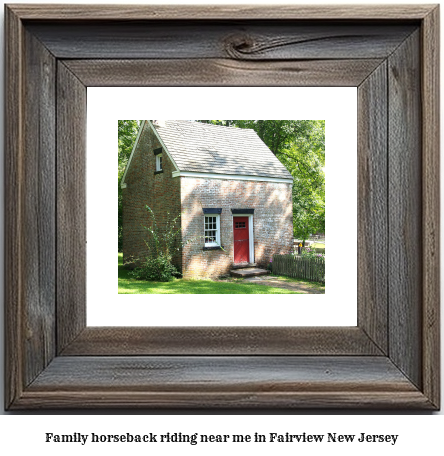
[(279, 282)]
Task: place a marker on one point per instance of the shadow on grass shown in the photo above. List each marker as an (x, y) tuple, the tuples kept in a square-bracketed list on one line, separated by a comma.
[(128, 285)]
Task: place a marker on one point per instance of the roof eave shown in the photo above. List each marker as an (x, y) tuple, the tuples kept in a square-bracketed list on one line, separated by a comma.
[(163, 144), (122, 182), (142, 125), (286, 180)]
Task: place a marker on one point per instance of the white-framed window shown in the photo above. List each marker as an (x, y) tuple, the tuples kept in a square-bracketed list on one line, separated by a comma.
[(159, 162), (212, 230)]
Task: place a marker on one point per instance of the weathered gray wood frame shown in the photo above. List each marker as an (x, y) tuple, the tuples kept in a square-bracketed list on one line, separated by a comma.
[(390, 360)]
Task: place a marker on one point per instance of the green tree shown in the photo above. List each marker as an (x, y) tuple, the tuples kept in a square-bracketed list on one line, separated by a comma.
[(224, 123), (278, 135), (127, 133), (306, 162)]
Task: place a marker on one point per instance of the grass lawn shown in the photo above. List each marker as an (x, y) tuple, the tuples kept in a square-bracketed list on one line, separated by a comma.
[(127, 285)]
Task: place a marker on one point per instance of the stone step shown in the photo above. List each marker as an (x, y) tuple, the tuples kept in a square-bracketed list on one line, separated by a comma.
[(244, 265), (248, 272)]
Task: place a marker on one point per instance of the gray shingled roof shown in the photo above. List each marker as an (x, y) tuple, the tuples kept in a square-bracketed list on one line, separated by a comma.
[(207, 148)]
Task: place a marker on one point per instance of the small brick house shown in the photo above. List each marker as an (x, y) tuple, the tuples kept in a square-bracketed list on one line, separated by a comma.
[(230, 189)]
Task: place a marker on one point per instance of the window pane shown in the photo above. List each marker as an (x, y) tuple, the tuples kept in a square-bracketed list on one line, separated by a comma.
[(210, 229), (210, 236)]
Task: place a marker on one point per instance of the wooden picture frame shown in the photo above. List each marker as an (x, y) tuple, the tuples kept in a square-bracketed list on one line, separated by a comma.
[(390, 360)]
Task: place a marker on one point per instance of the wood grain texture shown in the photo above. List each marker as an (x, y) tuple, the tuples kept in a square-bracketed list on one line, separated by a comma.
[(13, 209), (232, 382), (219, 72), (210, 373), (284, 401), (71, 206), (431, 206), (405, 209), (239, 40), (372, 207), (38, 219), (127, 341), (219, 12)]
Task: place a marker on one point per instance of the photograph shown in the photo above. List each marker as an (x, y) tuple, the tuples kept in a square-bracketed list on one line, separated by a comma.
[(221, 206)]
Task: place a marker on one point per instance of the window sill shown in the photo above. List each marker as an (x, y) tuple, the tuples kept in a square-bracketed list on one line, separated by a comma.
[(158, 172), (216, 247)]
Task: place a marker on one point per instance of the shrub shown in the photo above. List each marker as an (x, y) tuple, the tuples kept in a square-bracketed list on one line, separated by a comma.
[(159, 269), (162, 244), (309, 252)]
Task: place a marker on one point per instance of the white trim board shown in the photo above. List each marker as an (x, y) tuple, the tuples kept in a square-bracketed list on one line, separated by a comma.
[(250, 233), (231, 177)]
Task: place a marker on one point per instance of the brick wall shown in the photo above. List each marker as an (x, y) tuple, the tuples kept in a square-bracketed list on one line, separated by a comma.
[(272, 226), (159, 191)]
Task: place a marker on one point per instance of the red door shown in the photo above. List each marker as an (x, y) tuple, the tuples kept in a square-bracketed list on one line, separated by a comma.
[(241, 240)]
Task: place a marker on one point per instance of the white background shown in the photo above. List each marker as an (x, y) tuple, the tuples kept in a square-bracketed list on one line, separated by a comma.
[(337, 106), (418, 433)]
